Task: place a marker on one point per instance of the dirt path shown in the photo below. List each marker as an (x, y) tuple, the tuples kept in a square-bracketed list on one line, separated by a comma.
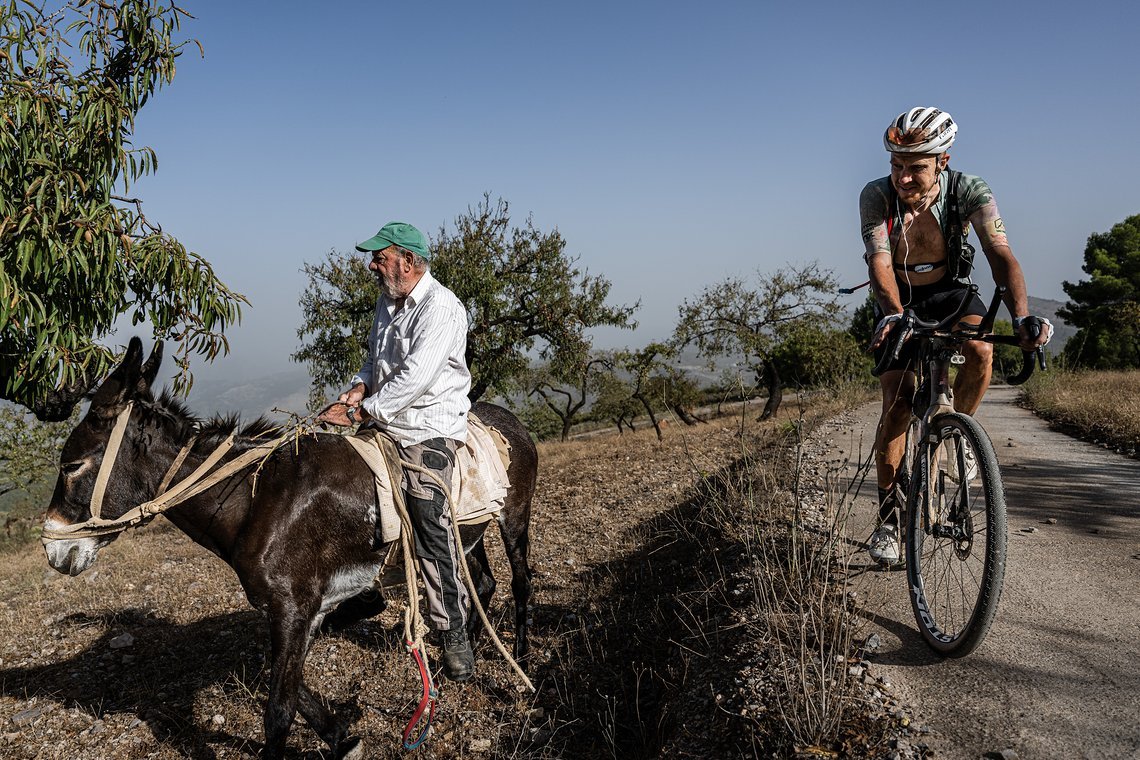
[(1059, 674)]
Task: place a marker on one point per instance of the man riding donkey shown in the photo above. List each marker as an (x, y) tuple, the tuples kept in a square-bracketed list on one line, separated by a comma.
[(414, 385), (915, 223)]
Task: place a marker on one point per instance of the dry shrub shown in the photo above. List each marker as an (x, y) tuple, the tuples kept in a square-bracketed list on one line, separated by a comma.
[(792, 537), (1103, 406)]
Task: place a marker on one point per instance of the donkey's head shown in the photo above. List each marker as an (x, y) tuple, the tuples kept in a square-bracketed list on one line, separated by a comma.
[(127, 482)]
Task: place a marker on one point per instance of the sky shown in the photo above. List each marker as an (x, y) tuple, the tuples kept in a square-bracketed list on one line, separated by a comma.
[(672, 144)]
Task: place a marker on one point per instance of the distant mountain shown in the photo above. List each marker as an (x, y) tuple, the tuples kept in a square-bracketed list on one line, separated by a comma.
[(288, 390), (1062, 330)]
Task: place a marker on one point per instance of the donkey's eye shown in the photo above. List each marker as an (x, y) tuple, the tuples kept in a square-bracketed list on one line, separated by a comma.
[(71, 469)]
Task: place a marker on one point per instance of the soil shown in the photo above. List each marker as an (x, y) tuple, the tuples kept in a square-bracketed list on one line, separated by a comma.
[(639, 649)]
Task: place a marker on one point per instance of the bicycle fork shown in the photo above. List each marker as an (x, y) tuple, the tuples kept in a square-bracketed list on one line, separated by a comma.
[(935, 492)]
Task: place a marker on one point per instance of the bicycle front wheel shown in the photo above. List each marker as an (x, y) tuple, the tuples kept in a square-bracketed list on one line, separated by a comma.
[(956, 537)]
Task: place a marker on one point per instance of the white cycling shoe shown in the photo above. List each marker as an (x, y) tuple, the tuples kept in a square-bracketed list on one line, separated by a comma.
[(967, 455), (884, 545)]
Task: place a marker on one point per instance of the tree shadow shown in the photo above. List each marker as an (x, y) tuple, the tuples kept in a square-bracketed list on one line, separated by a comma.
[(1078, 496)]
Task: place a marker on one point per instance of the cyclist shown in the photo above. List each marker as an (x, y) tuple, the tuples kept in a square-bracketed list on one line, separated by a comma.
[(914, 224)]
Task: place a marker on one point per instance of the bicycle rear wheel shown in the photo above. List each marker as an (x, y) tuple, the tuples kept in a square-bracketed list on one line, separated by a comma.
[(956, 536)]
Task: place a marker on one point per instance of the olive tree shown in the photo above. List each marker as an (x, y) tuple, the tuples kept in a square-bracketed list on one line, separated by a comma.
[(566, 393), (737, 318), (678, 392), (525, 297), (76, 248), (614, 401), (639, 367)]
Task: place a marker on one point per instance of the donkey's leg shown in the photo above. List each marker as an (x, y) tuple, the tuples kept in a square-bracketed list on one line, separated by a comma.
[(367, 604), (484, 580), (290, 631), (322, 720), (515, 529)]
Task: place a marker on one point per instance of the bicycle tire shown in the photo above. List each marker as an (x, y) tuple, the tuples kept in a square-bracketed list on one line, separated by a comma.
[(910, 454), (955, 566)]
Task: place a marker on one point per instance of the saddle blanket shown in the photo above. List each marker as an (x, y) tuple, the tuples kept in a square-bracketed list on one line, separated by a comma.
[(479, 480)]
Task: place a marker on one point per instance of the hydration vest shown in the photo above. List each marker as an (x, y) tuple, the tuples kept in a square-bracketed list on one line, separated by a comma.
[(959, 252)]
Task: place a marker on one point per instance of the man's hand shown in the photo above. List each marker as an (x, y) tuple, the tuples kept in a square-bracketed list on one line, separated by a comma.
[(1033, 332), (354, 395), (883, 329), (336, 413)]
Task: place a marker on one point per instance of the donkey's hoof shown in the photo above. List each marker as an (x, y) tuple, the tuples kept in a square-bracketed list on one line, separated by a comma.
[(351, 749)]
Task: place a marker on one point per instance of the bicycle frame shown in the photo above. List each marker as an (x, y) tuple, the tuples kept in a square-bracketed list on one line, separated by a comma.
[(953, 521), (939, 349)]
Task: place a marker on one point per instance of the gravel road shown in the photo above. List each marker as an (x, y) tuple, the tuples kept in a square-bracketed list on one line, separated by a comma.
[(1059, 674)]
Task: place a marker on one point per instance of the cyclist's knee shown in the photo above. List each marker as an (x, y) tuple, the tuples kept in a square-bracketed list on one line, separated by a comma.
[(978, 351)]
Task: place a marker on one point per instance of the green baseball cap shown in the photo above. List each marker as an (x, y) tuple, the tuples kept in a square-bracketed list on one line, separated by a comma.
[(397, 233)]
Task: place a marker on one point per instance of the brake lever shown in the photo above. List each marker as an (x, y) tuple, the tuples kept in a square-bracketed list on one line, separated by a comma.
[(904, 336)]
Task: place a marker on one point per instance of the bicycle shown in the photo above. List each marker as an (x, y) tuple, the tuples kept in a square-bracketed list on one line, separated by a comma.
[(953, 521)]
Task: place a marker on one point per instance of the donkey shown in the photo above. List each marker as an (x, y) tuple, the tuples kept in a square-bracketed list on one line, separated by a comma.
[(301, 543)]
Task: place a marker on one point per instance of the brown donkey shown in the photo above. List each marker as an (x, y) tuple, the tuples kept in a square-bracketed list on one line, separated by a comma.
[(301, 545)]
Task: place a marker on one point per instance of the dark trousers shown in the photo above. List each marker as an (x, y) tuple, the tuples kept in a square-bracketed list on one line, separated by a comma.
[(447, 597)]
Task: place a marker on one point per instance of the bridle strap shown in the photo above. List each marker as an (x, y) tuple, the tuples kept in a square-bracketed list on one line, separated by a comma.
[(175, 466), (193, 483), (198, 481), (109, 455)]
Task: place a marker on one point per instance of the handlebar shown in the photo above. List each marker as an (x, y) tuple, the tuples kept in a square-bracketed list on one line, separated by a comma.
[(910, 324), (1028, 358)]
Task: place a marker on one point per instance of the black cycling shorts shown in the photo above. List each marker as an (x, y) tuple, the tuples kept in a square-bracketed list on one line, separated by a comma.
[(935, 301)]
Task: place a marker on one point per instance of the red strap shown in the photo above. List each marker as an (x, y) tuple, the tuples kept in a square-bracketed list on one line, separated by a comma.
[(427, 702)]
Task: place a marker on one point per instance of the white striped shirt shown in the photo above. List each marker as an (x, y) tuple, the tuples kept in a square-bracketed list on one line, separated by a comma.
[(415, 369)]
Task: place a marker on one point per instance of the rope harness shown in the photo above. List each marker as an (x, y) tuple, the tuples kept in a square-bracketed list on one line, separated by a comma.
[(202, 479), (205, 477)]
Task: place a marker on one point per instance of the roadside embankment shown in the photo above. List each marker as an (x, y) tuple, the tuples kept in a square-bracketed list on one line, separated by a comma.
[(1098, 406)]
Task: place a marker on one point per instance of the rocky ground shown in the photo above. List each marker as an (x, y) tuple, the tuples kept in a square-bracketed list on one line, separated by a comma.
[(646, 641)]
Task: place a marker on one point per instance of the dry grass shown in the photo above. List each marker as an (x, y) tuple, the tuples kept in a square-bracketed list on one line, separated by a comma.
[(788, 587), (654, 632), (1101, 406)]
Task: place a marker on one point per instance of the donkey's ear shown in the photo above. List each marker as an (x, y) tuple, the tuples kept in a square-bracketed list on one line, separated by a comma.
[(123, 380), (150, 368)]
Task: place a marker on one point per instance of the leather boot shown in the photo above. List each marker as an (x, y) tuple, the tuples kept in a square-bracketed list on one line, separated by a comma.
[(458, 659)]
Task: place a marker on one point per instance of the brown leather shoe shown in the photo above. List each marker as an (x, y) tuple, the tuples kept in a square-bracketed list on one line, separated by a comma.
[(458, 659)]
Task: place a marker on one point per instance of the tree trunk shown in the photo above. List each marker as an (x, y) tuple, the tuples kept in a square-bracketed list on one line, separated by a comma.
[(652, 417), (477, 391), (775, 391), (685, 416), (567, 423)]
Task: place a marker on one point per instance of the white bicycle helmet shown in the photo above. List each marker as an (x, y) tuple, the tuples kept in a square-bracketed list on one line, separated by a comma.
[(924, 130)]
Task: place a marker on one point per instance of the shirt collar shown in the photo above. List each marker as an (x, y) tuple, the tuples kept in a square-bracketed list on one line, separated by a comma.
[(418, 293), (420, 290)]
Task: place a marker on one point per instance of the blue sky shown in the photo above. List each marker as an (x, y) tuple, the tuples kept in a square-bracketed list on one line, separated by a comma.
[(673, 145)]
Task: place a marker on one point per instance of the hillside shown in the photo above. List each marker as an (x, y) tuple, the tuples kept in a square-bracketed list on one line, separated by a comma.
[(644, 641), (1062, 330)]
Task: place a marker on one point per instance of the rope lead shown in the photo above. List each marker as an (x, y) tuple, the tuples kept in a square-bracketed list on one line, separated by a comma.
[(427, 701)]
